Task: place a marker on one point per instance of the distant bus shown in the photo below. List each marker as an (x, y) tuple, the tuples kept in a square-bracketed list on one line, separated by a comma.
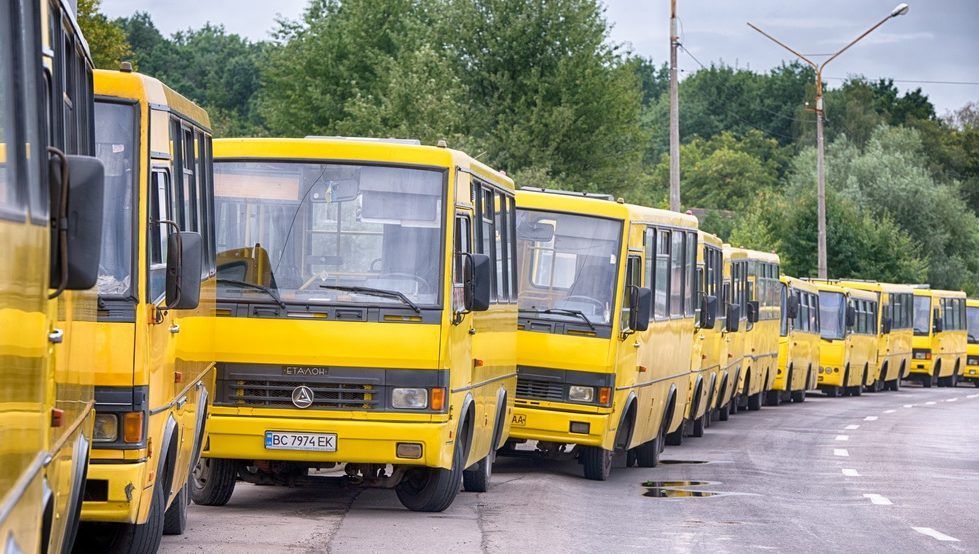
[(798, 345), (848, 345), (971, 372), (759, 273), (894, 333), (940, 337)]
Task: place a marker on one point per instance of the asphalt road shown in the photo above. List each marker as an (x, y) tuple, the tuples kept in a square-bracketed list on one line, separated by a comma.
[(886, 472)]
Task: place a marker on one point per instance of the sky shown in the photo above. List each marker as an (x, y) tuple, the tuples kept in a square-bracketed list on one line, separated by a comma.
[(938, 40)]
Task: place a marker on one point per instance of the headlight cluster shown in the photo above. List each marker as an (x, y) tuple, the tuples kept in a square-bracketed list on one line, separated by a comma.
[(972, 360), (107, 427), (829, 370), (417, 398), (581, 393), (922, 354)]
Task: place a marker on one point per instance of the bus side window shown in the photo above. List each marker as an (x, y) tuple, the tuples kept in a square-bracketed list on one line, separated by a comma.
[(11, 206), (661, 292), (633, 277), (690, 302), (161, 204)]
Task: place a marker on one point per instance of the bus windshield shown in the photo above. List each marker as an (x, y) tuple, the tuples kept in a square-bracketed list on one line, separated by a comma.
[(973, 322), (832, 315), (328, 233), (569, 265), (115, 139), (922, 315)]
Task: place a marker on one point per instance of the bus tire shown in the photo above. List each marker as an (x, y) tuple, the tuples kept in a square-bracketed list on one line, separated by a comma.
[(754, 402), (213, 481), (676, 437), (724, 412), (798, 396), (773, 398), (175, 518), (597, 462), (477, 478), (432, 489), (700, 424), (131, 538)]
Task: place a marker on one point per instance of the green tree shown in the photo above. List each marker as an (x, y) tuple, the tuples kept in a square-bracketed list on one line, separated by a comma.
[(106, 39)]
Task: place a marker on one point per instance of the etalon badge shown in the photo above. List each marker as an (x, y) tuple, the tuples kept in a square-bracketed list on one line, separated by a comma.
[(302, 396)]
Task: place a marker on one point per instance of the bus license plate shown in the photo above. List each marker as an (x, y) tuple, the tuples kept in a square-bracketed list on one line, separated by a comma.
[(519, 420), (318, 442)]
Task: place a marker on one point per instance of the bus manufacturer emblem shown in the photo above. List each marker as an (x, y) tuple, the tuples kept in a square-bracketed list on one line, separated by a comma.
[(302, 396)]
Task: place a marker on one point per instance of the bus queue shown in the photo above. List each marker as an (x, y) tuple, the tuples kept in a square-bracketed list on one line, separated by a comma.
[(200, 312)]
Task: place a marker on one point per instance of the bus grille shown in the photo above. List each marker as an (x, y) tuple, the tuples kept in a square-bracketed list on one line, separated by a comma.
[(537, 389), (278, 394)]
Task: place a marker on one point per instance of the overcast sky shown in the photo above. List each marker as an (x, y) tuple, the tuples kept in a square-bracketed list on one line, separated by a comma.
[(938, 40)]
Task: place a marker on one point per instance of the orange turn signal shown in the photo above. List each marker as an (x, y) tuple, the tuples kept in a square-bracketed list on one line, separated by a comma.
[(604, 395), (132, 427), (437, 401)]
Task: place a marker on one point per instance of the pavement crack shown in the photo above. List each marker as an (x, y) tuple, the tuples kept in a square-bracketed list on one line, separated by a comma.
[(332, 531)]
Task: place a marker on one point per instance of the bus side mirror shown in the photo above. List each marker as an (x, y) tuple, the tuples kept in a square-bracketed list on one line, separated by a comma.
[(851, 316), (753, 311), (708, 312), (792, 307), (733, 318), (640, 306), (477, 273), (938, 326), (885, 325), (77, 185), (185, 260)]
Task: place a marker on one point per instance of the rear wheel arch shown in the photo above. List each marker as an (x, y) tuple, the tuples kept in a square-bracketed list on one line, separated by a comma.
[(627, 421), (670, 411), (466, 427)]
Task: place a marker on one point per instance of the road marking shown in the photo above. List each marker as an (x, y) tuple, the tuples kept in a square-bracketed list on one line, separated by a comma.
[(878, 499), (842, 437), (852, 427), (888, 412), (840, 452), (973, 396), (951, 399), (870, 418), (850, 472), (909, 405), (935, 534), (930, 403)]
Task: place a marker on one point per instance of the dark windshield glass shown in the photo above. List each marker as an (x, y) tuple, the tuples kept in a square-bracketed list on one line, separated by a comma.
[(569, 262), (832, 315), (973, 322), (922, 315), (304, 228), (115, 140)]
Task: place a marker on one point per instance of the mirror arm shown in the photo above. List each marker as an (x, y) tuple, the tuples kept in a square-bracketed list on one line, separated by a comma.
[(180, 250), (61, 223)]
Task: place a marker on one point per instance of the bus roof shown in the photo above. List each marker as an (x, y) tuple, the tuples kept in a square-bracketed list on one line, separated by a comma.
[(824, 286), (798, 284), (603, 207), (708, 238), (972, 302), (148, 90), (767, 257), (876, 286), (356, 149)]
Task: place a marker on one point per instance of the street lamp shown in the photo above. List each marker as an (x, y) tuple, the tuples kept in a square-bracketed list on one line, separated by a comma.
[(898, 10)]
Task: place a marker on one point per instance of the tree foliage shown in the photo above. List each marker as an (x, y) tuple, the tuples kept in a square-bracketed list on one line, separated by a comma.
[(106, 39)]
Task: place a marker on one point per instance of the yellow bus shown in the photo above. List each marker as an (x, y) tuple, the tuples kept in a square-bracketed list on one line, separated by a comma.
[(614, 284), (940, 337), (708, 353), (971, 372), (153, 343), (798, 345), (757, 277), (50, 229), (894, 333), (367, 317), (733, 297), (848, 329)]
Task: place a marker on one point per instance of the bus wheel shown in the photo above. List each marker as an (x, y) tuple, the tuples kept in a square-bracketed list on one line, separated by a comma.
[(477, 478), (597, 462), (699, 424), (631, 456), (754, 402), (133, 538), (676, 437), (647, 453), (773, 398), (175, 518), (431, 489), (798, 395), (724, 412), (213, 481), (928, 380)]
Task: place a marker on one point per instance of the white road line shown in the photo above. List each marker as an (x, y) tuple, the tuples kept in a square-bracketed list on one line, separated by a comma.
[(842, 437), (909, 405), (850, 472), (852, 427), (878, 499), (973, 396), (840, 452), (930, 403), (951, 399), (935, 534), (888, 412), (870, 418)]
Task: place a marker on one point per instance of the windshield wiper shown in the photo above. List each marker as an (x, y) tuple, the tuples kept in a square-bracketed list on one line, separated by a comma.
[(562, 311), (254, 286), (370, 291)]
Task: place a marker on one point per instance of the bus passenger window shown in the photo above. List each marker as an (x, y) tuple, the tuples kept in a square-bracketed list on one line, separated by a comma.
[(661, 307), (690, 301), (160, 210), (676, 277)]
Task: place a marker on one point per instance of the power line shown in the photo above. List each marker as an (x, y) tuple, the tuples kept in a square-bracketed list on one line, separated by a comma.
[(918, 82)]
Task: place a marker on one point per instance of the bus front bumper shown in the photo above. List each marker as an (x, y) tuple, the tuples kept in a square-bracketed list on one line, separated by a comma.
[(552, 425), (117, 489), (243, 437)]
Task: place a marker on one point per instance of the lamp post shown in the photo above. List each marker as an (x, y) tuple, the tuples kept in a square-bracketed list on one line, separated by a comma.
[(899, 10)]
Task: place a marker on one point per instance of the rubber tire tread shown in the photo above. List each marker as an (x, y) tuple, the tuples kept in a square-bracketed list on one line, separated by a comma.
[(596, 463), (439, 496), (145, 538), (220, 485)]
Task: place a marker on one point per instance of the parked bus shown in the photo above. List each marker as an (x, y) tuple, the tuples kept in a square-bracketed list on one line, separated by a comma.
[(50, 228), (736, 320), (757, 284), (367, 317), (971, 372), (798, 345), (607, 304), (708, 352), (848, 328), (156, 295), (894, 333), (940, 337)]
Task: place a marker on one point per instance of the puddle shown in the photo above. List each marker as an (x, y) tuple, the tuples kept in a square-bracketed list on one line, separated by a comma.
[(679, 489), (678, 493), (670, 462), (675, 484)]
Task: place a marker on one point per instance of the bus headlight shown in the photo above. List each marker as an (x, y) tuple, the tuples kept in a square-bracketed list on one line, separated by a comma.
[(409, 398), (581, 394), (106, 428)]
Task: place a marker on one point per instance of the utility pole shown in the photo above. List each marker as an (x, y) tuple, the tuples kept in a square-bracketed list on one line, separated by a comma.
[(674, 115), (821, 264)]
